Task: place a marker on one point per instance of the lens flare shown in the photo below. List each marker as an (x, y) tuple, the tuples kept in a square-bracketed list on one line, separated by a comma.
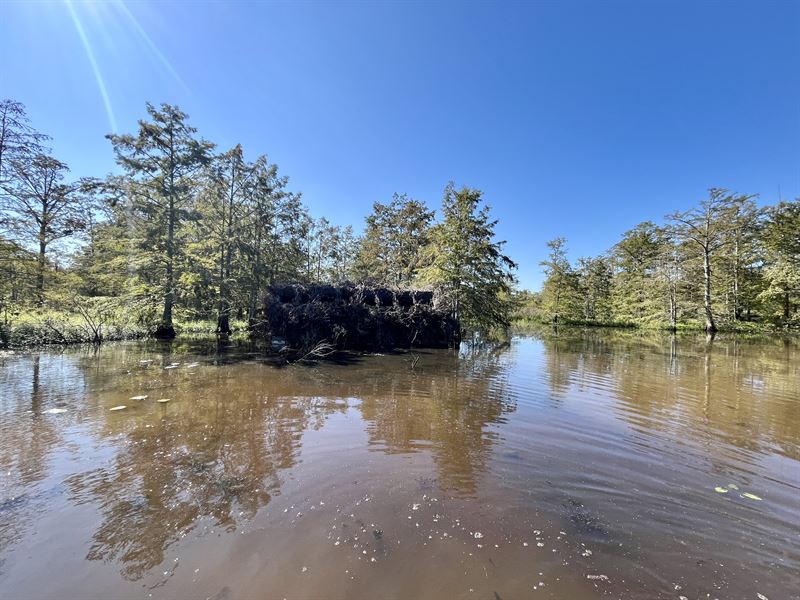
[(98, 76), (150, 43)]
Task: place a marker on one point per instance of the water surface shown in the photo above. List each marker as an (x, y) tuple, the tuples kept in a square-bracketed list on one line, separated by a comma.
[(582, 465)]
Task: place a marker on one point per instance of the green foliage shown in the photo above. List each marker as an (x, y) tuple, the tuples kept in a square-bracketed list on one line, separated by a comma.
[(184, 234), (392, 248), (161, 164), (723, 263), (466, 264), (101, 320), (560, 294), (781, 244), (184, 237)]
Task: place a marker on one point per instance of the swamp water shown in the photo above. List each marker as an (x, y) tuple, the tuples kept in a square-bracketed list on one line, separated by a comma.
[(585, 465)]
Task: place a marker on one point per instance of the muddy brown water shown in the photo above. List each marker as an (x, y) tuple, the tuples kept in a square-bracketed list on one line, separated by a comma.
[(582, 465)]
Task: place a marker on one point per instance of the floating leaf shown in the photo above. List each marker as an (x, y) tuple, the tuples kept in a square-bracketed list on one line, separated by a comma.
[(120, 407), (163, 400), (750, 496), (720, 490), (138, 397)]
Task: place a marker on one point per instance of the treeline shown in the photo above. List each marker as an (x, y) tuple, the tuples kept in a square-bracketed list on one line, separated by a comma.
[(726, 262), (186, 231)]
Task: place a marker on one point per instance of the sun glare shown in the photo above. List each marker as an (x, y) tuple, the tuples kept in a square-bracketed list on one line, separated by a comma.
[(98, 76), (92, 19)]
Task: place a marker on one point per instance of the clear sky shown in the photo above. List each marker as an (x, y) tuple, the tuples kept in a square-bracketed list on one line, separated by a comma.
[(575, 118)]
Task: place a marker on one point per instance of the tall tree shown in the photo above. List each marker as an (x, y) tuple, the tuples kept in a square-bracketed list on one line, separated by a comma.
[(706, 227), (40, 208), (17, 138), (595, 286), (559, 292), (393, 242), (739, 262), (18, 141), (161, 163), (636, 257), (231, 184), (781, 242), (669, 274), (272, 249), (343, 253), (467, 264)]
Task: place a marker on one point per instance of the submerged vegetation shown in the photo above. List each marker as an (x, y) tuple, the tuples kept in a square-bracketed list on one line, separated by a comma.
[(726, 263), (185, 233)]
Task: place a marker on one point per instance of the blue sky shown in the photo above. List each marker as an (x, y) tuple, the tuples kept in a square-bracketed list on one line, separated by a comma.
[(578, 119)]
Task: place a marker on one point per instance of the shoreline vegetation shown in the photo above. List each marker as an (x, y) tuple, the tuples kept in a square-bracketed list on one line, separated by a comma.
[(724, 265), (184, 232), (67, 329), (188, 239)]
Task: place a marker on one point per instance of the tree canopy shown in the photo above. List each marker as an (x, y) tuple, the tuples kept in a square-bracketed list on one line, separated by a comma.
[(186, 231), (723, 262)]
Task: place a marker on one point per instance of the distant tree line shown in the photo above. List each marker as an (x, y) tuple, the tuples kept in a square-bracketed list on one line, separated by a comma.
[(725, 262), (185, 231)]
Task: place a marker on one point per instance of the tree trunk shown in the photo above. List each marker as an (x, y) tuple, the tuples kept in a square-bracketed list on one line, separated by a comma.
[(223, 323), (558, 299), (736, 309), (255, 281), (223, 310), (40, 267), (787, 307), (165, 330), (711, 327), (673, 309)]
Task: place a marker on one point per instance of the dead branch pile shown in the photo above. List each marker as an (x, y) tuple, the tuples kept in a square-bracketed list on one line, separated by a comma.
[(353, 317)]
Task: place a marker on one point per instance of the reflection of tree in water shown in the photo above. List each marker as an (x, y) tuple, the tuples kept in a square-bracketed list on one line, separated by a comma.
[(742, 390), (214, 459), (444, 405), (29, 386)]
